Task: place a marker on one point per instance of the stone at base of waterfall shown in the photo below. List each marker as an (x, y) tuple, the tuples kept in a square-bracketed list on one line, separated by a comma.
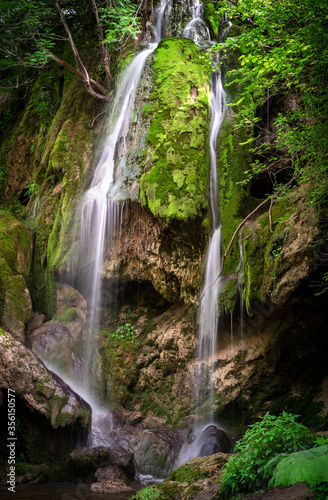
[(213, 440), (111, 487), (110, 473)]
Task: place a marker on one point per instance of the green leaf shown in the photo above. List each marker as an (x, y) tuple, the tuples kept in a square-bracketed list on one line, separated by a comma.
[(309, 466)]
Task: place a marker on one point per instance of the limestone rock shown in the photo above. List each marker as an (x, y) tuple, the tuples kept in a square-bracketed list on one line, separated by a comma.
[(110, 480), (41, 390), (110, 473)]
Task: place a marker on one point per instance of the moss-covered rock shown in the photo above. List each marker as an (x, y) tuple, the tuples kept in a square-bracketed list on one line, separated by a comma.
[(198, 478), (276, 262), (232, 161), (174, 184), (148, 369), (43, 392), (15, 260)]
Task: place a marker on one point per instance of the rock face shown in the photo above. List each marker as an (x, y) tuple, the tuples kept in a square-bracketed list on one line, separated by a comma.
[(60, 342), (16, 243), (39, 389), (155, 362), (270, 364)]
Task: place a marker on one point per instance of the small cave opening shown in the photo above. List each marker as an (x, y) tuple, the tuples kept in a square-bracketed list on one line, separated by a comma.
[(24, 196), (261, 186), (133, 295)]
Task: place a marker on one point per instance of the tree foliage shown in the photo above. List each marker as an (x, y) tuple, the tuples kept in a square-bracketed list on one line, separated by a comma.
[(33, 30), (282, 50)]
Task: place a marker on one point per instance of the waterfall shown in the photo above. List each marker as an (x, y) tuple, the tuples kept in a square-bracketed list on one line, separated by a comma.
[(209, 308), (101, 213), (208, 311), (196, 29)]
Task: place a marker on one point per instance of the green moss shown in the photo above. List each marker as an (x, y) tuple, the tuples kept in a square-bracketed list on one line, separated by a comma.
[(175, 182), (70, 314), (263, 250), (232, 161), (15, 261)]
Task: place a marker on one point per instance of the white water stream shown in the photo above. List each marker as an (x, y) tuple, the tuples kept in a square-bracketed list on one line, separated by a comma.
[(196, 29), (209, 307), (102, 215)]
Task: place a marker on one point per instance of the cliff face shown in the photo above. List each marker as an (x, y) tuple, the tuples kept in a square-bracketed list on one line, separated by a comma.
[(271, 355)]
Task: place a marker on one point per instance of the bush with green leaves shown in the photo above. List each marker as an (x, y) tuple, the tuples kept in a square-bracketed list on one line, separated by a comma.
[(272, 435)]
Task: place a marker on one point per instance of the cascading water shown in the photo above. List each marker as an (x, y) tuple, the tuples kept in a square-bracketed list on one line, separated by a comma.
[(196, 29), (209, 309), (208, 312), (102, 215)]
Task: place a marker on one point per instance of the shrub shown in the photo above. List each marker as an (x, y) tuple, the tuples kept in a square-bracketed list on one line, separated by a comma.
[(263, 440)]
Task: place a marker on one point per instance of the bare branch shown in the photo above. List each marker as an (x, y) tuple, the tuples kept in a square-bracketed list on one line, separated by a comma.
[(83, 70), (78, 73)]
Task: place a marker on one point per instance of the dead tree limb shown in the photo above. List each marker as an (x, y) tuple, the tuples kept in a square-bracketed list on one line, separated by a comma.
[(85, 75)]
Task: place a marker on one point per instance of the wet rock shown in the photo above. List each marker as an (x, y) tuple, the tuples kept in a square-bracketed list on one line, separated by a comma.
[(110, 480), (36, 320), (85, 462), (110, 473), (154, 448), (39, 389), (213, 440)]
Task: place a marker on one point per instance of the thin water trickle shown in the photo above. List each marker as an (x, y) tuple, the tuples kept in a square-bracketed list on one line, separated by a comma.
[(209, 309)]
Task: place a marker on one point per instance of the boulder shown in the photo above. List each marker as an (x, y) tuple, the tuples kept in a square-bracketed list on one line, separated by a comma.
[(60, 342), (87, 462), (38, 388), (213, 440)]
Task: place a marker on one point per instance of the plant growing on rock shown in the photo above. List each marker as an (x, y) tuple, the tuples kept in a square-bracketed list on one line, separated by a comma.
[(124, 332), (263, 440)]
